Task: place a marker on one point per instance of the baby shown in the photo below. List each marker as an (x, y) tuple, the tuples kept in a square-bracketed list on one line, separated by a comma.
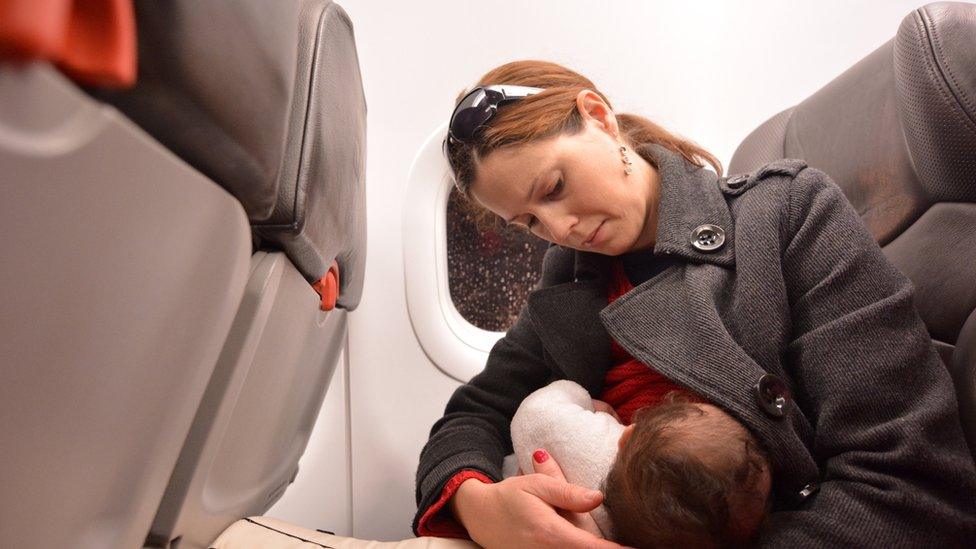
[(681, 475)]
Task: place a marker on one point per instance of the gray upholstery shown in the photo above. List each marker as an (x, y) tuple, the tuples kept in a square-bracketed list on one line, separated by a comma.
[(156, 386), (258, 410), (320, 212), (122, 270), (215, 85), (262, 400), (266, 99), (897, 131)]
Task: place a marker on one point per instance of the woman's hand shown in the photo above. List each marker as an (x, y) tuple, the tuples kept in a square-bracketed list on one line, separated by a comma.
[(518, 512), (545, 464)]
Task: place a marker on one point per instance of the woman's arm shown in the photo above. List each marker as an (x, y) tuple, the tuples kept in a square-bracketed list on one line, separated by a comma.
[(472, 438), (473, 434), (895, 468)]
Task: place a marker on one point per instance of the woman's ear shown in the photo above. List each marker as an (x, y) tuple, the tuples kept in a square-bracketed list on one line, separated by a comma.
[(625, 436), (592, 107)]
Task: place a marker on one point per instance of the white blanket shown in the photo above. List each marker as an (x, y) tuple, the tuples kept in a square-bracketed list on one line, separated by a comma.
[(560, 418)]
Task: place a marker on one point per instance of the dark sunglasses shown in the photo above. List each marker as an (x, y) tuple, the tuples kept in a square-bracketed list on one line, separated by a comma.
[(475, 110), (478, 107)]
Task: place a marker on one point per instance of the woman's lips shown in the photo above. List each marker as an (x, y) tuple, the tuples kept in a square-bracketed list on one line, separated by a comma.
[(595, 237)]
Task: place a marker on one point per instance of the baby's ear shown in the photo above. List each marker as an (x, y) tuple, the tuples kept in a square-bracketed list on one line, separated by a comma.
[(625, 436)]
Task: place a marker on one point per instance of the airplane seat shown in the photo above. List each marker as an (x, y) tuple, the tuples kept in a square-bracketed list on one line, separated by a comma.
[(167, 374), (112, 321), (266, 100), (897, 132)]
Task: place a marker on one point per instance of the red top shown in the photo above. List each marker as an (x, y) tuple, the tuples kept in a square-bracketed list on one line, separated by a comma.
[(628, 386)]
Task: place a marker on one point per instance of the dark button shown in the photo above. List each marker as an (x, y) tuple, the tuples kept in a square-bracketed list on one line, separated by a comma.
[(708, 238), (773, 395), (737, 180)]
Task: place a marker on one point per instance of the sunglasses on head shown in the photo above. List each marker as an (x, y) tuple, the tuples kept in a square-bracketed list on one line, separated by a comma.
[(476, 108)]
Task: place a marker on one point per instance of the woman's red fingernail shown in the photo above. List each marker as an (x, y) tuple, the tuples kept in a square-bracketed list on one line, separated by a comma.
[(540, 456)]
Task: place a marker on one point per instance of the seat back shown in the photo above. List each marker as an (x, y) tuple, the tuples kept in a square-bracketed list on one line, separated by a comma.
[(166, 375), (266, 99), (122, 270), (897, 132), (305, 195), (258, 410)]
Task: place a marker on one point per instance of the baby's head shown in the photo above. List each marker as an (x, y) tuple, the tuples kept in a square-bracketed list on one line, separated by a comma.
[(687, 475)]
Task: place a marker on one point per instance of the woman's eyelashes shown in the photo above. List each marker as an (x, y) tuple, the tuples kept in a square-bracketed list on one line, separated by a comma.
[(556, 189), (550, 196)]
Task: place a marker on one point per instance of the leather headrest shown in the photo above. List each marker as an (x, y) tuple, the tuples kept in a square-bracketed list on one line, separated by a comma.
[(896, 131), (215, 87)]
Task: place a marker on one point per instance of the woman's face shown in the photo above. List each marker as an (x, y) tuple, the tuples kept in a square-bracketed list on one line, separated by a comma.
[(572, 190)]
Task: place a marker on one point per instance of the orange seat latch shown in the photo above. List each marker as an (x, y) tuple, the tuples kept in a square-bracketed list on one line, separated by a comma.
[(92, 41), (328, 287)]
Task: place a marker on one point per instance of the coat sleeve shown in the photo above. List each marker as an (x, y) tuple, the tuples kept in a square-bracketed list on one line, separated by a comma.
[(895, 469), (474, 432)]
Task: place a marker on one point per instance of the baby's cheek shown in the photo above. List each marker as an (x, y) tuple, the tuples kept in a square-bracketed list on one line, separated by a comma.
[(600, 406)]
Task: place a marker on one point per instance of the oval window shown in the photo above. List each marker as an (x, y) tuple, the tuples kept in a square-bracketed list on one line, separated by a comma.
[(465, 282)]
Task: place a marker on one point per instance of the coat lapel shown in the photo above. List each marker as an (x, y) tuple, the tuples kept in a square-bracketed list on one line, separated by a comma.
[(690, 198), (673, 324)]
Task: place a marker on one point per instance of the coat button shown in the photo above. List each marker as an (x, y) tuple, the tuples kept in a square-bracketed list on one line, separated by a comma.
[(708, 238), (773, 395), (808, 491), (737, 181)]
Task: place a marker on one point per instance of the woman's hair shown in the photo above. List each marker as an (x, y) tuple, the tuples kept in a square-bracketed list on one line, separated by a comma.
[(687, 478), (550, 113)]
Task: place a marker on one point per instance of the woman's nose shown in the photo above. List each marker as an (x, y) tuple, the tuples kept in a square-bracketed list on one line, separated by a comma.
[(559, 226)]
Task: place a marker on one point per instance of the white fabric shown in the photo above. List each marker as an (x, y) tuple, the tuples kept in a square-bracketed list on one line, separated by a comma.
[(561, 419)]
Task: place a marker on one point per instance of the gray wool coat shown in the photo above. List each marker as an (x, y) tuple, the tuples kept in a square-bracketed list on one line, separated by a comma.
[(796, 324)]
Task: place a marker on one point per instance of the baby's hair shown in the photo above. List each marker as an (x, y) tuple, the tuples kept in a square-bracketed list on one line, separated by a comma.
[(687, 478)]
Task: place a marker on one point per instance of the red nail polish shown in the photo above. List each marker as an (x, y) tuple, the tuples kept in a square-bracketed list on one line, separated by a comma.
[(540, 456)]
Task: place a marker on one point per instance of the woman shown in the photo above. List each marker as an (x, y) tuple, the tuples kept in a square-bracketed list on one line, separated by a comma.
[(763, 294)]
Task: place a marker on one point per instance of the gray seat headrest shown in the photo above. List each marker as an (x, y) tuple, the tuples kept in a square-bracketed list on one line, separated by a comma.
[(267, 100), (935, 73), (215, 86), (896, 131)]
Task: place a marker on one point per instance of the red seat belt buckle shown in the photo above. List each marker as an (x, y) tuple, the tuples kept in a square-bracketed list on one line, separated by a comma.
[(328, 287)]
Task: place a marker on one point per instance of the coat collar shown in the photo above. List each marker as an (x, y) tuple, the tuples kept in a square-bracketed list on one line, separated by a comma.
[(566, 312), (690, 198)]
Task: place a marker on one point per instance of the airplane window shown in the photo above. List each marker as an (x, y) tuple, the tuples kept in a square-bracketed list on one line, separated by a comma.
[(490, 270)]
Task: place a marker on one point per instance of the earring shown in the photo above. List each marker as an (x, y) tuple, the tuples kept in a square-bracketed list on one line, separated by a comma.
[(628, 165)]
